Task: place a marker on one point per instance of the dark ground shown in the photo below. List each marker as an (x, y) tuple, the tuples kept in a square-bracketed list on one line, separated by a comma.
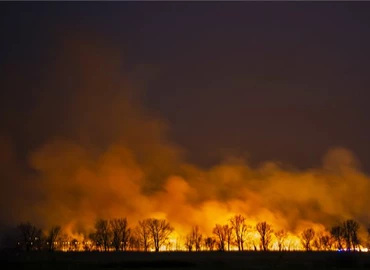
[(184, 260)]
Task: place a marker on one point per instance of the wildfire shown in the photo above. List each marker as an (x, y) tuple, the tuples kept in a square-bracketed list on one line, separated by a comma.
[(177, 242)]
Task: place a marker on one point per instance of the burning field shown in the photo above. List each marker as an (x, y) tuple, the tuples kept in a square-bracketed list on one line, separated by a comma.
[(103, 156)]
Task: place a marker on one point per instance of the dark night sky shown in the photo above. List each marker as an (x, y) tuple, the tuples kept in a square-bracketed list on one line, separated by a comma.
[(269, 81)]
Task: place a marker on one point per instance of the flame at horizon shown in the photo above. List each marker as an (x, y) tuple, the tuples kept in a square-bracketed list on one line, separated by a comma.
[(109, 157)]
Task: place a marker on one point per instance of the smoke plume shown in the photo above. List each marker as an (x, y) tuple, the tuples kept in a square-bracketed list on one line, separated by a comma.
[(99, 153)]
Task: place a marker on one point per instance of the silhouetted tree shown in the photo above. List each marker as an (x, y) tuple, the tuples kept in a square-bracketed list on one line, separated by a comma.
[(240, 229), (39, 241), (308, 236), (327, 242), (210, 243), (95, 243), (198, 237), (142, 233), (189, 242), (280, 235), (30, 234), (133, 241), (219, 231), (103, 233), (323, 242), (265, 230), (159, 230), (121, 233), (254, 246), (350, 233), (337, 233), (194, 239), (228, 235), (52, 237), (317, 242)]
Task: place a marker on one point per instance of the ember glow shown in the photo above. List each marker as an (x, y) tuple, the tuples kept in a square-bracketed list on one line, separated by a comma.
[(139, 173)]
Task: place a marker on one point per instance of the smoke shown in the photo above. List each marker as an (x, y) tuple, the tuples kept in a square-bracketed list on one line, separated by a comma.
[(101, 154)]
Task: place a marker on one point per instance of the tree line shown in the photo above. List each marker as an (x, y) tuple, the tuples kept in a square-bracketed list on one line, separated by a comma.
[(153, 234)]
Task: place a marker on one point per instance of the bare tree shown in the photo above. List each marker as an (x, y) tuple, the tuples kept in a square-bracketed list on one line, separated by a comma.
[(159, 230), (52, 237), (350, 233), (94, 242), (308, 236), (29, 234), (337, 234), (194, 239), (254, 246), (142, 233), (265, 230), (210, 243), (121, 233), (219, 231), (103, 233), (327, 242), (280, 235), (318, 241), (197, 236), (240, 229), (133, 241), (189, 242), (323, 241), (228, 235)]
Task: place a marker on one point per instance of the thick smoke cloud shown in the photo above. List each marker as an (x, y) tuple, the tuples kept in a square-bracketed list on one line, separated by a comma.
[(100, 154)]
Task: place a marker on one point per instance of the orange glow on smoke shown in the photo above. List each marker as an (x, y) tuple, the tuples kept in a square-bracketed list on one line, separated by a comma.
[(139, 173)]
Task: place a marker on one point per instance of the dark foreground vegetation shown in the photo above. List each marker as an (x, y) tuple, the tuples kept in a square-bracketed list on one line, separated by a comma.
[(185, 260), (154, 235)]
